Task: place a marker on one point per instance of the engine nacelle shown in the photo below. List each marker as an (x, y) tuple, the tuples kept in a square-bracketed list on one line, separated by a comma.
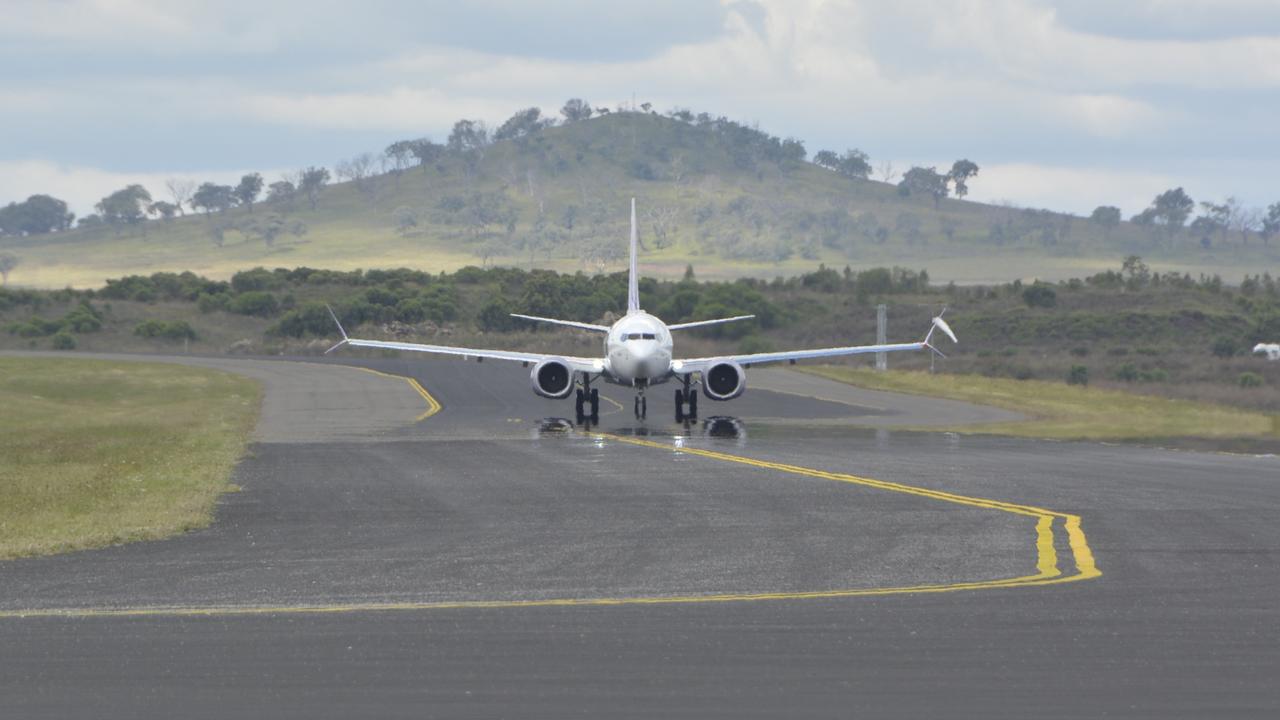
[(552, 379), (724, 380)]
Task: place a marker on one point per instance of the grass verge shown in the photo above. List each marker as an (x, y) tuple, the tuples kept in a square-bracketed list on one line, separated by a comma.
[(1067, 412), (95, 453)]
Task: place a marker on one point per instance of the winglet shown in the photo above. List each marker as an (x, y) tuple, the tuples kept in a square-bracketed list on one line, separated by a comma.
[(633, 281), (334, 315), (939, 324)]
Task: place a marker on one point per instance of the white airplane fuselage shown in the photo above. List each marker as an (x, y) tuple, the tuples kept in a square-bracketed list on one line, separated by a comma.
[(637, 351)]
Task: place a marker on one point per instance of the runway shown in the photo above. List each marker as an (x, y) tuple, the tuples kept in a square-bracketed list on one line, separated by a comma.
[(467, 551)]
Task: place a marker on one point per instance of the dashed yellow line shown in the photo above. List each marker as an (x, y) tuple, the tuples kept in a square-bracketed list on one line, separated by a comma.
[(1047, 570)]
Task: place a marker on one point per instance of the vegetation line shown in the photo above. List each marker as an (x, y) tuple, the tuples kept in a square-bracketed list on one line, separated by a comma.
[(95, 453)]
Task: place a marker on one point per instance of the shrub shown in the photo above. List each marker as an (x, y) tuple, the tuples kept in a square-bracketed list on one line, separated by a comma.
[(35, 326), (1249, 380), (64, 341), (162, 330), (1118, 351), (1080, 351), (1127, 372), (1154, 375), (1078, 375), (83, 318), (1040, 295), (1225, 347), (256, 302), (209, 302), (495, 317)]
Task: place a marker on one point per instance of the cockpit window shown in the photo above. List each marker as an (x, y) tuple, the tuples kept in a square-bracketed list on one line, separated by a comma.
[(639, 336)]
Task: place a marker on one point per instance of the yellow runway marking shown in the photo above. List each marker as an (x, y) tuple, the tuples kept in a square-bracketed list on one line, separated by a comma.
[(433, 405), (1047, 570)]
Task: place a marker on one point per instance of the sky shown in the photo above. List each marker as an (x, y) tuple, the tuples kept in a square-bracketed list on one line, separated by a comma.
[(1064, 104)]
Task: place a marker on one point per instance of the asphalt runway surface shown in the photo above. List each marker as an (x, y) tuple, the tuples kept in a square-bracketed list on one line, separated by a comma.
[(471, 552)]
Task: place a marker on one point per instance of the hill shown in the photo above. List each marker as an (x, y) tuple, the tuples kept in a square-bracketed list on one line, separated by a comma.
[(726, 198)]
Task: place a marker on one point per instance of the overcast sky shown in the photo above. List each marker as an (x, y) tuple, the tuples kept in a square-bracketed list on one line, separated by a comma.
[(1065, 104)]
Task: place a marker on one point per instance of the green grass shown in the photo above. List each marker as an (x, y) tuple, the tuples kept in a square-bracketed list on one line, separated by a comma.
[(95, 453), (1064, 412)]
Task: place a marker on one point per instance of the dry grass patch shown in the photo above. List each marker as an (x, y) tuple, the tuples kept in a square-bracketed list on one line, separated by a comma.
[(1067, 412), (95, 453)]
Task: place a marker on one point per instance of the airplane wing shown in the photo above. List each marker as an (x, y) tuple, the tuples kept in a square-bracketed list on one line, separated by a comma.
[(691, 365), (577, 364), (702, 323), (566, 323)]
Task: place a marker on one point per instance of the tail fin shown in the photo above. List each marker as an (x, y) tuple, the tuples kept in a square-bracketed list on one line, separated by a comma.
[(633, 280)]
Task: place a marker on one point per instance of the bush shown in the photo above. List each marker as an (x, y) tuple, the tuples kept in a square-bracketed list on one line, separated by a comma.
[(64, 341), (256, 302), (496, 317), (1249, 380), (159, 329), (1225, 347), (1127, 372), (83, 318), (209, 302), (1080, 351), (35, 326), (1040, 295), (1078, 375)]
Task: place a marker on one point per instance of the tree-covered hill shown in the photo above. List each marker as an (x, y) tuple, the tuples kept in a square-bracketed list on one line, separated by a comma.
[(727, 197)]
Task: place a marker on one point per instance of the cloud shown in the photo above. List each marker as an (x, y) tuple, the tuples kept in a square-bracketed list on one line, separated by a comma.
[(1068, 189)]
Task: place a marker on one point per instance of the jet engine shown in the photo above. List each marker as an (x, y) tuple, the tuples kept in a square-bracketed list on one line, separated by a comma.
[(552, 379), (724, 380)]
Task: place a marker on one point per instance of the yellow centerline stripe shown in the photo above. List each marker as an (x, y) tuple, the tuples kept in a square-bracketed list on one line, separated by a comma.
[(1047, 571), (433, 405)]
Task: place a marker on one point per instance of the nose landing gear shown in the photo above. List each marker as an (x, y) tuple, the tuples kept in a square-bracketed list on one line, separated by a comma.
[(642, 406)]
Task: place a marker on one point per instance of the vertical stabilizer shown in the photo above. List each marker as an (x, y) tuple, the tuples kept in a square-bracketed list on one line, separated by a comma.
[(633, 279)]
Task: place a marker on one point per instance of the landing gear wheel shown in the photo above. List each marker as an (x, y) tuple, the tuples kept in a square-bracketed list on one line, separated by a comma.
[(577, 405), (642, 407), (679, 406), (693, 406), (595, 405)]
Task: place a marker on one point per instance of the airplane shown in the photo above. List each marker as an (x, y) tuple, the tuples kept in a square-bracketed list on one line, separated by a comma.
[(638, 354)]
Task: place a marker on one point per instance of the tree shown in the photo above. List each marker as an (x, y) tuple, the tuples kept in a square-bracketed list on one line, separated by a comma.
[(887, 172), (37, 215), (1173, 207), (1106, 217), (468, 136), (248, 190), (166, 210), (523, 123), (576, 109), (213, 198), (281, 192), (960, 173), (425, 151), (924, 181), (127, 206), (400, 153), (406, 219), (827, 159), (855, 164), (311, 182), (1271, 223), (180, 189), (8, 261)]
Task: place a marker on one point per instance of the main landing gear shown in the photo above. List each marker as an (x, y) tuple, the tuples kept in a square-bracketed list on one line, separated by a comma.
[(588, 398), (686, 403)]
